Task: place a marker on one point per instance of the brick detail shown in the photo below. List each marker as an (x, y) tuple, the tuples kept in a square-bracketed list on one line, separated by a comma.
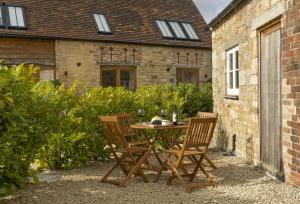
[(291, 73)]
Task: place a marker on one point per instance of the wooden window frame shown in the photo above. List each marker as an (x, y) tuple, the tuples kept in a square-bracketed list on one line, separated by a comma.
[(182, 70), (235, 90), (118, 75)]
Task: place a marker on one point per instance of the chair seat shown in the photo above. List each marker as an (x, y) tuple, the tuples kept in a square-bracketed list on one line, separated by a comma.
[(190, 152), (133, 150)]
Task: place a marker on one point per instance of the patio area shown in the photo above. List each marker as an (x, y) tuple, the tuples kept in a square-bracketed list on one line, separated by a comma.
[(237, 182)]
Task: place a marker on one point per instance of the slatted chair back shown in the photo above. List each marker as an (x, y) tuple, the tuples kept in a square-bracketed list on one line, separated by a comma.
[(125, 120), (199, 133), (112, 132), (207, 115)]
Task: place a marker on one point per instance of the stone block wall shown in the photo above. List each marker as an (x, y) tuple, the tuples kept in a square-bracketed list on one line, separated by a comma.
[(80, 60), (291, 92), (240, 116)]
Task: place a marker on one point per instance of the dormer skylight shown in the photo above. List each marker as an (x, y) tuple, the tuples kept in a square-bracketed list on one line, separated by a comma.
[(101, 23)]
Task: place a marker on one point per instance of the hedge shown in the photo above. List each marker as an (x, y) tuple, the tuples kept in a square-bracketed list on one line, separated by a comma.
[(58, 127)]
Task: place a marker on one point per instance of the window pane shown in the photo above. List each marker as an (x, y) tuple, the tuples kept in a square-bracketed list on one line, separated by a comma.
[(187, 76), (109, 78), (231, 80), (164, 28), (231, 62), (190, 31), (237, 80), (1, 21), (12, 16), (177, 30), (20, 17), (127, 79), (101, 22), (46, 75), (104, 22)]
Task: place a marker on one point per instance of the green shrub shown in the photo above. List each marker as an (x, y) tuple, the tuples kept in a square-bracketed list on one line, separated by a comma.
[(59, 127), (18, 141)]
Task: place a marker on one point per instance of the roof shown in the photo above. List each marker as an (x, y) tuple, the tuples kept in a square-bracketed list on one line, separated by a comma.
[(131, 21), (225, 12)]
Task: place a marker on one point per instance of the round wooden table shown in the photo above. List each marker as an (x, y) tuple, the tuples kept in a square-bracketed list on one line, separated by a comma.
[(161, 132)]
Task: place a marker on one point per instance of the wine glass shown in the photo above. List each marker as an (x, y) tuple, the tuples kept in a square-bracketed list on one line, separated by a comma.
[(163, 113), (141, 114)]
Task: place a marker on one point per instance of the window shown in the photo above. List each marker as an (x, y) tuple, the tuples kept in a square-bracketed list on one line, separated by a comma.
[(190, 31), (16, 16), (46, 75), (177, 29), (12, 16), (233, 71), (188, 76), (164, 29), (101, 23), (125, 77), (1, 18)]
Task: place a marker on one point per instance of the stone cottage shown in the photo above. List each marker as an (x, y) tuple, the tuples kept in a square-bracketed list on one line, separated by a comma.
[(110, 43), (256, 69)]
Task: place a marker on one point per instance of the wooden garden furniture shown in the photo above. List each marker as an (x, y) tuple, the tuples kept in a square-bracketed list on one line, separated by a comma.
[(161, 132), (125, 120), (126, 156), (208, 115), (196, 142)]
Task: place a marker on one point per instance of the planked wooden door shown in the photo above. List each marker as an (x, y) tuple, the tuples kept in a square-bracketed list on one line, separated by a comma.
[(270, 100)]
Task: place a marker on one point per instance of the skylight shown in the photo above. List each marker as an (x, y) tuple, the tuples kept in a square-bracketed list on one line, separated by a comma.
[(190, 31), (177, 29), (164, 29), (101, 23), (16, 16)]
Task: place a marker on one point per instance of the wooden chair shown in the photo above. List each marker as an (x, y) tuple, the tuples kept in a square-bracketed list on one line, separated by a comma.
[(125, 120), (121, 151), (208, 115), (197, 139)]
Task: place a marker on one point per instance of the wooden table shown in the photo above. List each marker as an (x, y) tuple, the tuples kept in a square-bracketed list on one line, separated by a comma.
[(161, 132)]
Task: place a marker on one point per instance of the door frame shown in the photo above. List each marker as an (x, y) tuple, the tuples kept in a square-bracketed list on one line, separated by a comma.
[(267, 29)]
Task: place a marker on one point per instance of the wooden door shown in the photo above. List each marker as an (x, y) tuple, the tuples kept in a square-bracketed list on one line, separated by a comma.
[(270, 100)]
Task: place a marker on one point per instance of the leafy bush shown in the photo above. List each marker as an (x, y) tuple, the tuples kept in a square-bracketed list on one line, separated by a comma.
[(59, 127)]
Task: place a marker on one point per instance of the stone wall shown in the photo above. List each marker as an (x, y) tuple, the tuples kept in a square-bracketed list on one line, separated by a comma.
[(291, 92), (240, 116), (79, 60)]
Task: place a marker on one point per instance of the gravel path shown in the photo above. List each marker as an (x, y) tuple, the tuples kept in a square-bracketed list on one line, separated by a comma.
[(237, 183)]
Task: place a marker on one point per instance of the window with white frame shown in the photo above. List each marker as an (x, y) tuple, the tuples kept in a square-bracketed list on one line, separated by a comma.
[(1, 18), (233, 72)]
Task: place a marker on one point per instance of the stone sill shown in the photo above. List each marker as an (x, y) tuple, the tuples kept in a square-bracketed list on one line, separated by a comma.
[(231, 97)]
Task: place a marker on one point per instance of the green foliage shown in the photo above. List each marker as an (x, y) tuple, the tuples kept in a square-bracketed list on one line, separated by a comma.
[(59, 127)]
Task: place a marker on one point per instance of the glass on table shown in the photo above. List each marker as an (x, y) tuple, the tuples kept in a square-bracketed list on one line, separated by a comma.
[(141, 114), (163, 113)]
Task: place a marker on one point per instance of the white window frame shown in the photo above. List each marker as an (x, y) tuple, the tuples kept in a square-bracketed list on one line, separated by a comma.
[(1, 16), (234, 90)]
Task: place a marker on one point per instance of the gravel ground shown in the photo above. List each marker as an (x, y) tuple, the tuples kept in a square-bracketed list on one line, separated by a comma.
[(236, 183)]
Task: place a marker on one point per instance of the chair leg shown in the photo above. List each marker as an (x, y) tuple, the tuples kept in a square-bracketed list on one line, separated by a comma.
[(118, 163), (176, 173), (198, 163), (210, 162), (135, 168)]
